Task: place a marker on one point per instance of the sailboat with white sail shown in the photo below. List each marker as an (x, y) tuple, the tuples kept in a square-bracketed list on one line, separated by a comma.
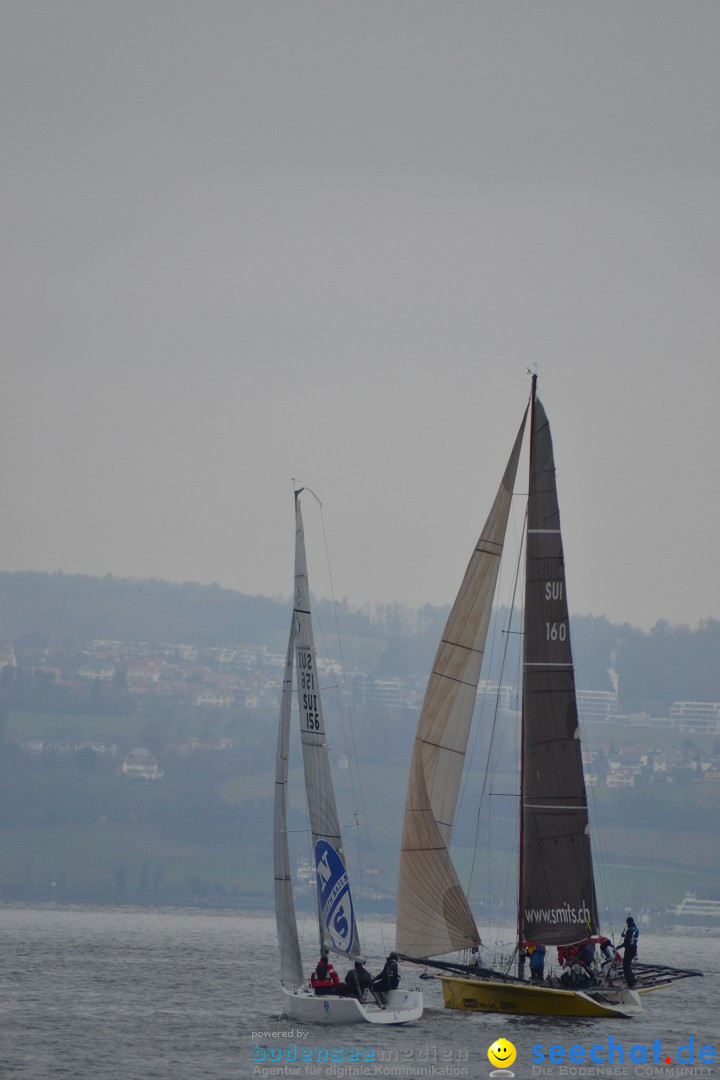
[(337, 925), (556, 892)]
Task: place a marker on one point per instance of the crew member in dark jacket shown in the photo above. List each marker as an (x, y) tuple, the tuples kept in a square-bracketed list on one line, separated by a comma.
[(628, 943), (389, 977), (358, 980)]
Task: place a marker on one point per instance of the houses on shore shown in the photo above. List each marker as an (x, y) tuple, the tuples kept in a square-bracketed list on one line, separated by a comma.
[(249, 677)]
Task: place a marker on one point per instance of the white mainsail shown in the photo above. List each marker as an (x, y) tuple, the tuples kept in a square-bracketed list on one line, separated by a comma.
[(433, 915), (336, 917), (291, 971), (337, 920)]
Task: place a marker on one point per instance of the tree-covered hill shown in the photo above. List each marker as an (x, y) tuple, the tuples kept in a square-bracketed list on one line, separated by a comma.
[(72, 824), (651, 669), (40, 608)]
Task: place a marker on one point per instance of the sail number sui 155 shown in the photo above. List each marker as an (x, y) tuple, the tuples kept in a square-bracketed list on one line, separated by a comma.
[(309, 701)]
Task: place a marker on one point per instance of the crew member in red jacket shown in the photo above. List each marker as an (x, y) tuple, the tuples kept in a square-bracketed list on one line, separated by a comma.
[(324, 979)]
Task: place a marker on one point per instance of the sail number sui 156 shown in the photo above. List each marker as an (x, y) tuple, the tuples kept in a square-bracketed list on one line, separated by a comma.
[(307, 691)]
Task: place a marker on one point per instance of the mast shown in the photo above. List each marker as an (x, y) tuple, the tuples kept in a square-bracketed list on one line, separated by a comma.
[(521, 940)]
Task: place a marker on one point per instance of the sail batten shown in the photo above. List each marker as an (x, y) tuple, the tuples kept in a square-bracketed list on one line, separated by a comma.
[(433, 915)]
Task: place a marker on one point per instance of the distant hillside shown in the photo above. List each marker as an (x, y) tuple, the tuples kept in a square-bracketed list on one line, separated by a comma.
[(73, 828), (651, 669), (36, 608)]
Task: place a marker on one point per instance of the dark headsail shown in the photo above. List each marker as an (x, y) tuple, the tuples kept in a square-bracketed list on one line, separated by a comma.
[(557, 891)]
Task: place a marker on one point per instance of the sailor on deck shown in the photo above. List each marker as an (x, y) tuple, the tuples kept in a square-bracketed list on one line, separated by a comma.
[(628, 944), (324, 979), (358, 980), (389, 977)]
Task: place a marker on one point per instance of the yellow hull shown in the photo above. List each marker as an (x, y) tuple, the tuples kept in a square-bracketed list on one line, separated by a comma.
[(495, 996)]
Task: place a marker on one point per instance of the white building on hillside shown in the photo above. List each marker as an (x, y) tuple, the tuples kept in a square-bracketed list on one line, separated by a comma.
[(142, 765), (597, 705), (702, 717)]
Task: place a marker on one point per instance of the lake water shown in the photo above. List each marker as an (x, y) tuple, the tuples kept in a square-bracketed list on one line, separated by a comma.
[(127, 994)]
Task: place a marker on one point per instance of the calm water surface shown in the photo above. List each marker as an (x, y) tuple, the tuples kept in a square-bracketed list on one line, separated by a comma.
[(123, 994)]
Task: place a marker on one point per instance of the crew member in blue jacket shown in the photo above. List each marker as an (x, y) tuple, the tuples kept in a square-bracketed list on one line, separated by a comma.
[(628, 943)]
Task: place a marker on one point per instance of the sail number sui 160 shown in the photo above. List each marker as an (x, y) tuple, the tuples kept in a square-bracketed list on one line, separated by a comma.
[(555, 631), (309, 704)]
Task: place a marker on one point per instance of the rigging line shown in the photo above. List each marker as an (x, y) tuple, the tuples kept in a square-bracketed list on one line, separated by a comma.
[(608, 859), (308, 896), (498, 632), (351, 727), (473, 748), (497, 705), (358, 893), (487, 661), (515, 734), (605, 867), (512, 879)]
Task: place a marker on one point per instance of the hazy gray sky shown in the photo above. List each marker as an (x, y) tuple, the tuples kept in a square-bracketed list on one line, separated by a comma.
[(244, 242)]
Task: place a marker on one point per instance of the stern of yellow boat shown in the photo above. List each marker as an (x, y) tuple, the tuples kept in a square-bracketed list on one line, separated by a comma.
[(531, 999)]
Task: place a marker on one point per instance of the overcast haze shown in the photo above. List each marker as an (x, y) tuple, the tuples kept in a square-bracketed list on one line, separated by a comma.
[(245, 242)]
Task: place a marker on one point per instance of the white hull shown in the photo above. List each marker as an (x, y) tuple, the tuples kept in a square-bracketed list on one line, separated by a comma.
[(694, 912), (402, 1007)]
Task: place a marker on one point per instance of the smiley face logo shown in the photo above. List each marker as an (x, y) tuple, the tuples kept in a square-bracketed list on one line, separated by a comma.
[(502, 1053)]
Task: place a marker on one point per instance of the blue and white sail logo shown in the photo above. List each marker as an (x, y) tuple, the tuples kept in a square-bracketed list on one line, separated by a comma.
[(336, 907)]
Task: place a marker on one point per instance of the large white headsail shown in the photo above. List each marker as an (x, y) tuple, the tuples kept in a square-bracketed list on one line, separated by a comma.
[(433, 915), (291, 971), (337, 919)]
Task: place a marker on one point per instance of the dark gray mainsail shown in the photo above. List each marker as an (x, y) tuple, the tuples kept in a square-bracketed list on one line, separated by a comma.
[(557, 890)]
